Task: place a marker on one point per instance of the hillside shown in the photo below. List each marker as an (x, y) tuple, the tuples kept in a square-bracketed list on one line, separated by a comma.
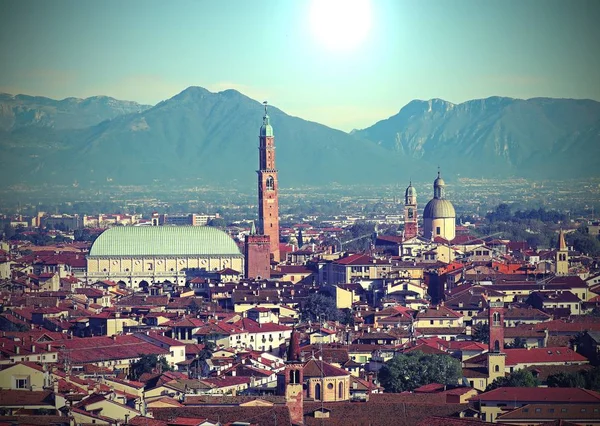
[(538, 138)]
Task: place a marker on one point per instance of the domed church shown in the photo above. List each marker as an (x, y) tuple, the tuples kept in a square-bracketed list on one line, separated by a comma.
[(439, 217)]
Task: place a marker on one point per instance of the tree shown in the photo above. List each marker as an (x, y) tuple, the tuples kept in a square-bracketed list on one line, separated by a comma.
[(347, 316), (146, 364), (300, 239), (409, 371), (520, 378), (217, 222), (481, 333), (319, 306), (9, 231), (586, 379), (518, 342)]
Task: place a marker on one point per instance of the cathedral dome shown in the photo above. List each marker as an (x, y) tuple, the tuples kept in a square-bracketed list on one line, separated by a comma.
[(439, 208)]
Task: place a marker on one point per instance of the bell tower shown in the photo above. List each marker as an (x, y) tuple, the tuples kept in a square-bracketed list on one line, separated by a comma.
[(562, 255), (410, 213), (291, 380), (496, 355), (268, 187)]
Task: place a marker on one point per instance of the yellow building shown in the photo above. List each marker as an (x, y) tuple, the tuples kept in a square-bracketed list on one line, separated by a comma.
[(24, 376), (138, 256)]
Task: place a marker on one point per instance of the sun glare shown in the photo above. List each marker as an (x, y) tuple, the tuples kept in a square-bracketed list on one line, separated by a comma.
[(340, 25)]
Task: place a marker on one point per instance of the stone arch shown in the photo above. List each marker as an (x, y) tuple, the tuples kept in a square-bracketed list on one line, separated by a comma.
[(318, 391), (497, 346), (270, 183), (341, 390)]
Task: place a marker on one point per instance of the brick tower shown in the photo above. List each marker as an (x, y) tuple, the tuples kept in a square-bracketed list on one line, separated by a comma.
[(410, 213), (496, 355), (291, 381), (268, 187), (257, 264)]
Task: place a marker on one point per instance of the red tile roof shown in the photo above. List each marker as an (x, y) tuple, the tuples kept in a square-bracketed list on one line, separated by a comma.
[(548, 395), (542, 355)]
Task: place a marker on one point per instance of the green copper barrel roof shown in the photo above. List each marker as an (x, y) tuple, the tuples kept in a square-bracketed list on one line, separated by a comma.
[(163, 241)]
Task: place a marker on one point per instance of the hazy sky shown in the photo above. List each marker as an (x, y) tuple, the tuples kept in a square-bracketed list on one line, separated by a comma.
[(301, 56)]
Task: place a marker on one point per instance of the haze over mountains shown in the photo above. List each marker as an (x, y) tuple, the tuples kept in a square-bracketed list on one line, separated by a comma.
[(198, 137)]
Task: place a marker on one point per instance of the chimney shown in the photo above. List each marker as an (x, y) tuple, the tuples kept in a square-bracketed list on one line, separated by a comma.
[(33, 348), (17, 350)]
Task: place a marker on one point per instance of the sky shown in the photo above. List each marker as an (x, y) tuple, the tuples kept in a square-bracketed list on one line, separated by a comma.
[(346, 64)]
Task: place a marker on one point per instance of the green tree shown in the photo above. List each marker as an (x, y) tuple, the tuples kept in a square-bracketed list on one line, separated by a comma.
[(586, 379), (347, 316), (146, 364), (9, 231), (481, 333), (406, 372), (217, 222), (520, 378), (320, 306), (518, 342)]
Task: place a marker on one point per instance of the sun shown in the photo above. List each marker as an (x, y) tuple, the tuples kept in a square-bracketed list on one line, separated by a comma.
[(340, 25)]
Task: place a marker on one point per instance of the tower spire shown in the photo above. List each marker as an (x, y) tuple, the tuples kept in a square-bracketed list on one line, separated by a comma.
[(266, 116), (268, 186)]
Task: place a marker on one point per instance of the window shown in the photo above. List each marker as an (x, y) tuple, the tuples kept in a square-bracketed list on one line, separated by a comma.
[(270, 183), (496, 318), (21, 383), (438, 231), (431, 322), (496, 368), (341, 390)]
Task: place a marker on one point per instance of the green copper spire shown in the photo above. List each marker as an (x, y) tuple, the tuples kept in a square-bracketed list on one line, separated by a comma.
[(253, 229)]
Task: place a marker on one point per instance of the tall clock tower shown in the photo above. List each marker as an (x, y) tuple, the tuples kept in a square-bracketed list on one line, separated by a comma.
[(268, 187)]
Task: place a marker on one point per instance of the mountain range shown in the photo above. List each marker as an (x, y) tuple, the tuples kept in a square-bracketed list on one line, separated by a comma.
[(199, 137)]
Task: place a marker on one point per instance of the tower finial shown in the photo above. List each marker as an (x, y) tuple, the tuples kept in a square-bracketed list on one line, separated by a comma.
[(265, 103), (439, 171), (253, 229)]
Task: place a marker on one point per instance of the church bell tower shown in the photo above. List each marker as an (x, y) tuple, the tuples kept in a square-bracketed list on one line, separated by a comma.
[(268, 187), (411, 227)]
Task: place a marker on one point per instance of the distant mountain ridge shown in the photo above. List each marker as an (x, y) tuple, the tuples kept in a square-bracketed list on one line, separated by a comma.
[(501, 136), (200, 137), (21, 111)]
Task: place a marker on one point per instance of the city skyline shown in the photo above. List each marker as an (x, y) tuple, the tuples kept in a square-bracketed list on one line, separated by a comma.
[(346, 65)]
